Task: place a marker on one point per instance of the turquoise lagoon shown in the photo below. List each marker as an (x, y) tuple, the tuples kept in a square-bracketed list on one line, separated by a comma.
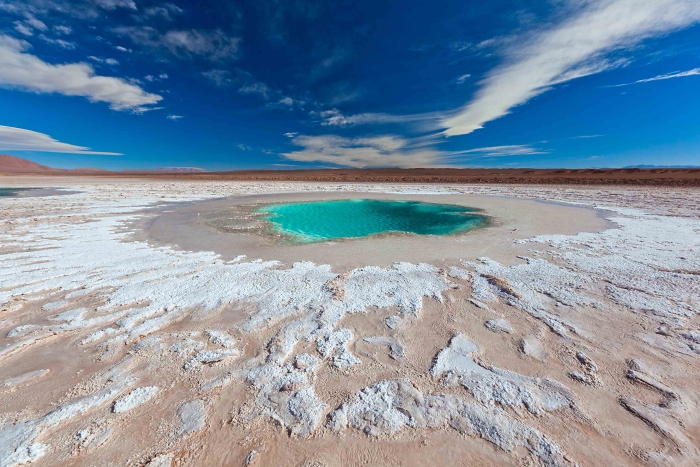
[(328, 220)]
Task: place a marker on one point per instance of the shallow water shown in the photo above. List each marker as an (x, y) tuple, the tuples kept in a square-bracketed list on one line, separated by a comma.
[(10, 192), (328, 220)]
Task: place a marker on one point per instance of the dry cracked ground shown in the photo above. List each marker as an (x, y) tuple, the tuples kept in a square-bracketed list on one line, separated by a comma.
[(582, 350)]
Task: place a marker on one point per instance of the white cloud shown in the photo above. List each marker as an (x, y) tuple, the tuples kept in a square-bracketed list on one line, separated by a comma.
[(257, 87), (152, 78), (675, 74), (36, 24), (65, 30), (108, 61), (23, 29), (174, 117), (463, 78), (23, 71), (122, 49), (382, 151), (570, 49), (286, 101), (113, 4), (86, 9), (18, 139), (291, 134), (164, 11), (59, 42)]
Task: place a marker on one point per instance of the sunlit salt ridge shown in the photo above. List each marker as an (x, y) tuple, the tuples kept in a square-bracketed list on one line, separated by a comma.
[(329, 220)]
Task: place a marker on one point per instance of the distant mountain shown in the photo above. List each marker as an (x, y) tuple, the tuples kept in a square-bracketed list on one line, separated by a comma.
[(643, 166), (17, 165), (11, 164)]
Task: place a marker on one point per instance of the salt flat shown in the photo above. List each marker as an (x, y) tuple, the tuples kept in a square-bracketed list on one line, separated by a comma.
[(565, 334)]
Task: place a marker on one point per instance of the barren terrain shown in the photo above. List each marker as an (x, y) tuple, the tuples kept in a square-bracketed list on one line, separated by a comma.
[(565, 334)]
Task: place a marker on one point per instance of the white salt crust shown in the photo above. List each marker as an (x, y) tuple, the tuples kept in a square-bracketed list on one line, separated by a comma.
[(394, 405), (494, 386), (134, 399), (645, 265)]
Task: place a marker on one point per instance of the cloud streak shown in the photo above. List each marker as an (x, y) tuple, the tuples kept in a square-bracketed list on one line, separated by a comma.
[(19, 139), (502, 151), (573, 48), (675, 74), (23, 71), (336, 118)]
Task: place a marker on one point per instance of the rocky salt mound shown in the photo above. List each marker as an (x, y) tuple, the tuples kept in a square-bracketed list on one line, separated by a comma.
[(154, 323)]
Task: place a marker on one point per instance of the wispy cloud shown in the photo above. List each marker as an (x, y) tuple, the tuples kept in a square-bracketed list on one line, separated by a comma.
[(220, 78), (174, 117), (65, 30), (113, 4), (257, 87), (214, 45), (27, 27), (19, 139), (86, 9), (675, 74), (463, 78), (334, 117), (108, 61), (165, 11), (501, 151), (21, 70), (573, 48), (586, 136), (378, 151), (59, 42)]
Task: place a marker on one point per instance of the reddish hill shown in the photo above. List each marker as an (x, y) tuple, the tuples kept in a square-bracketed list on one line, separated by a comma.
[(11, 164)]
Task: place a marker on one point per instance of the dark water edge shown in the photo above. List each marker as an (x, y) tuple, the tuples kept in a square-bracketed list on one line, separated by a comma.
[(13, 192)]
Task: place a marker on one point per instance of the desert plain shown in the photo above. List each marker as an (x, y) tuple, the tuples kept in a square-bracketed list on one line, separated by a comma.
[(137, 327)]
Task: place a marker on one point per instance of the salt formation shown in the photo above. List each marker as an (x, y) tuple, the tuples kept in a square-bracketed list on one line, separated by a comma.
[(392, 322), (221, 338), (162, 460), (499, 325), (590, 375), (192, 416), (286, 395), (532, 347), (491, 385), (394, 405), (134, 399), (19, 439), (94, 435), (21, 379)]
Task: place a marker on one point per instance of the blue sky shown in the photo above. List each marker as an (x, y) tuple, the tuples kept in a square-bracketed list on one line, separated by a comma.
[(134, 84)]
